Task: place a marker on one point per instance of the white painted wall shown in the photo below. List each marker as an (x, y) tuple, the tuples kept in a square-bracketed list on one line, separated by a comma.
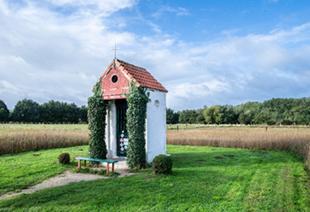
[(155, 134), (155, 125)]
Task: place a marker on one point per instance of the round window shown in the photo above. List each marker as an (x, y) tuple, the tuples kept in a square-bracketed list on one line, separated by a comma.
[(156, 103), (114, 78)]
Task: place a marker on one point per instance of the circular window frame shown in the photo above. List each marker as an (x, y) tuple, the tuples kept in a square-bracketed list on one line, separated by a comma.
[(156, 103), (114, 78)]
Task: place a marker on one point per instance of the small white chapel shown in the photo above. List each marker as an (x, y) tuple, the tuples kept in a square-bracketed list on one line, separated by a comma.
[(115, 83)]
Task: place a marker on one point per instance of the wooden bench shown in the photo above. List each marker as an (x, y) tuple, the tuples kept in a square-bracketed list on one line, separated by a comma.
[(102, 161)]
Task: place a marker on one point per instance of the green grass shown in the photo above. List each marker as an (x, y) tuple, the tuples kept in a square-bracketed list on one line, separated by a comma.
[(204, 179), (24, 169)]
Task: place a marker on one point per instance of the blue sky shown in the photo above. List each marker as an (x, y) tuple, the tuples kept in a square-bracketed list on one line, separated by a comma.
[(204, 52)]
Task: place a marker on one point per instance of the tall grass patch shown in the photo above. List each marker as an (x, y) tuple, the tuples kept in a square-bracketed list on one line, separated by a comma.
[(18, 138), (296, 140)]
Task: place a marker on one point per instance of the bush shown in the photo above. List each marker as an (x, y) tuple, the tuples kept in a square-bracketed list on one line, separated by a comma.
[(162, 164), (64, 158)]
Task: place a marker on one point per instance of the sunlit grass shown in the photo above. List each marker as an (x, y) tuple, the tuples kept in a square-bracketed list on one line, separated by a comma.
[(203, 179)]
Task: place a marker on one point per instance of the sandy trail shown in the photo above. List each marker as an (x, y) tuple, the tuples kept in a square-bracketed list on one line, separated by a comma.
[(66, 178)]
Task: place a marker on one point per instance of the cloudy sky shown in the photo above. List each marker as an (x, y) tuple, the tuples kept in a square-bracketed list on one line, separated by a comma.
[(204, 52)]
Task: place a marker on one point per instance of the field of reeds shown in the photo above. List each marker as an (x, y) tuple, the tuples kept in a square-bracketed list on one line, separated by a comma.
[(292, 139), (15, 138)]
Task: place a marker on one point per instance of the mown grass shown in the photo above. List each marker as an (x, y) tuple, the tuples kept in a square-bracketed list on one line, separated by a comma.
[(203, 179), (22, 170)]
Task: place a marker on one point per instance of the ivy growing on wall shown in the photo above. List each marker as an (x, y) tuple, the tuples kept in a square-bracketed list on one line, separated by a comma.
[(136, 115), (96, 123)]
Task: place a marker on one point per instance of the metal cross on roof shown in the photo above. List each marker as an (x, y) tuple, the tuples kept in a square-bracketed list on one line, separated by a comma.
[(115, 49)]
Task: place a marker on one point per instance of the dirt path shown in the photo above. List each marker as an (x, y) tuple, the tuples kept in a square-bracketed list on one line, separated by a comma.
[(63, 179)]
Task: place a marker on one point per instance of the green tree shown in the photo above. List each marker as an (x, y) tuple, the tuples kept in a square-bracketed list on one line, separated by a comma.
[(200, 119), (211, 114), (246, 112), (226, 115), (83, 114), (188, 116), (26, 110), (96, 123), (4, 112), (59, 112), (136, 115), (172, 117)]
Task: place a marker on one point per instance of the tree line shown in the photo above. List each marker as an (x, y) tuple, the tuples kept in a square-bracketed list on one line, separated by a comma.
[(276, 111), (285, 111), (29, 111)]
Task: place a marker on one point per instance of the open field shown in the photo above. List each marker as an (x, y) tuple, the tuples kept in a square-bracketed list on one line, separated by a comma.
[(15, 138), (204, 179), (292, 139)]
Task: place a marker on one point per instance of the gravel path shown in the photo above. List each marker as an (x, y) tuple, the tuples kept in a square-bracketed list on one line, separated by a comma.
[(66, 178)]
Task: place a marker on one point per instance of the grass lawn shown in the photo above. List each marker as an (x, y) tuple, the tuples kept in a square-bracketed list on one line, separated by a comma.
[(204, 179), (24, 169)]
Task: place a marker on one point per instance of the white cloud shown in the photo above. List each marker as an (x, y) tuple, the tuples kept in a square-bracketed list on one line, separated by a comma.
[(46, 55), (103, 7), (178, 11)]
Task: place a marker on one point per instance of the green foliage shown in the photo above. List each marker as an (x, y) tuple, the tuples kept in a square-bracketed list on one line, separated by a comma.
[(4, 112), (220, 115), (211, 114), (59, 112), (172, 117), (64, 158), (274, 111), (247, 112), (83, 114), (199, 117), (96, 124), (26, 110), (97, 89), (136, 115), (52, 112), (162, 164), (189, 116)]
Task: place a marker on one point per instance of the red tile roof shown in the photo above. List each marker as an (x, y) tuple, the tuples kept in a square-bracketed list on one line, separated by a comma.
[(141, 76)]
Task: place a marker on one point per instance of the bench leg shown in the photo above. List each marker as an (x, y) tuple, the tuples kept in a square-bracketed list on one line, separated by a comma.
[(108, 169), (85, 163), (112, 167), (79, 165)]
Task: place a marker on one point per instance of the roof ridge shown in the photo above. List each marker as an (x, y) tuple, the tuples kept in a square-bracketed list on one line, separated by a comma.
[(126, 63)]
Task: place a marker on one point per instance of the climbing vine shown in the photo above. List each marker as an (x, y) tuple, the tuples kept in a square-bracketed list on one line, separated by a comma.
[(96, 123), (136, 115)]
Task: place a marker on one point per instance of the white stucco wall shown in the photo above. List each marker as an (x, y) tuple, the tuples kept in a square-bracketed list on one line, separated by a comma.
[(155, 134), (155, 125)]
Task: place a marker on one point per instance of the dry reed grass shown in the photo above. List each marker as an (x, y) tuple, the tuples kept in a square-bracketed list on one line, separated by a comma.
[(15, 138), (296, 140)]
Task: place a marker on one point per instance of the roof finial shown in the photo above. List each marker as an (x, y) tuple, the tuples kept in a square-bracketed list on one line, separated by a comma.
[(115, 49)]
